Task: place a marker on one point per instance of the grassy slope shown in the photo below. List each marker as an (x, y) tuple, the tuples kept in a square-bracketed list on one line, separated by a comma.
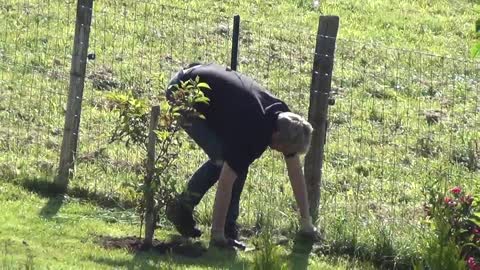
[(116, 41), (444, 26), (33, 234)]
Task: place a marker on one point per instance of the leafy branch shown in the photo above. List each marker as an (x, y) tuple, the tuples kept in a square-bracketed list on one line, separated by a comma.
[(133, 129)]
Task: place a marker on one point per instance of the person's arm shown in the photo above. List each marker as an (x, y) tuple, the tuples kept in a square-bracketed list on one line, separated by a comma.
[(222, 202), (297, 179)]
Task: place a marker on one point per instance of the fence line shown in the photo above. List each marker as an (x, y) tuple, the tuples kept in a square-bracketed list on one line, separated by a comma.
[(401, 120)]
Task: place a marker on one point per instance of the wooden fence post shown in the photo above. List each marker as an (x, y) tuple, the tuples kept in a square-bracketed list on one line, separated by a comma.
[(318, 110), (148, 195), (75, 96)]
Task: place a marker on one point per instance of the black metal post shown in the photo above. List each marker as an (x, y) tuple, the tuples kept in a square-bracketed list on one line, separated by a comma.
[(235, 37)]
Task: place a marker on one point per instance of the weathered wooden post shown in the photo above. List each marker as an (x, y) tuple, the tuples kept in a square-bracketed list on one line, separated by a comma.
[(75, 96), (319, 100), (149, 195)]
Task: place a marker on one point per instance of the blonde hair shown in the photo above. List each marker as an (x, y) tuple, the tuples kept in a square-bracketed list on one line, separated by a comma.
[(294, 131)]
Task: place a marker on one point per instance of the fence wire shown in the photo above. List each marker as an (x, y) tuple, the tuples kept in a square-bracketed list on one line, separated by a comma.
[(34, 71), (403, 120)]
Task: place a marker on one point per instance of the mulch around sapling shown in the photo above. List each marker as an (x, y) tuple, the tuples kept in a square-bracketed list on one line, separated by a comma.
[(135, 244)]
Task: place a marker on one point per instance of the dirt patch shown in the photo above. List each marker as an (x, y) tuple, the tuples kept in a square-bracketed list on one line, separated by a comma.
[(433, 116), (222, 30), (135, 244), (103, 79)]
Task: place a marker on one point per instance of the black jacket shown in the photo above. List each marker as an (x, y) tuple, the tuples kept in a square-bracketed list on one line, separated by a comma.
[(240, 111)]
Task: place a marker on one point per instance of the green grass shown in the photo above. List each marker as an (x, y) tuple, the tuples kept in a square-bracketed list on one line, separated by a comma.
[(50, 233), (403, 120)]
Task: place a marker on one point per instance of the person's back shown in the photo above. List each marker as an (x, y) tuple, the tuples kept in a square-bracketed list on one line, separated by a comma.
[(240, 112)]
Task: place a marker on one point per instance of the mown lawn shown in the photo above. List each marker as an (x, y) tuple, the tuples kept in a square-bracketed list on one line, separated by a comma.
[(50, 233), (404, 120)]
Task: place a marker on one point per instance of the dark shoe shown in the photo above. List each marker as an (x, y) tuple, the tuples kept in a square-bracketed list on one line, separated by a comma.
[(229, 244), (231, 231), (182, 218), (315, 236)]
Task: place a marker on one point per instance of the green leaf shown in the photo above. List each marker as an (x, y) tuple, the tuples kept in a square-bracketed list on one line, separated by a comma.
[(202, 99), (476, 50), (183, 84), (475, 218), (204, 85), (162, 134), (118, 98), (164, 106)]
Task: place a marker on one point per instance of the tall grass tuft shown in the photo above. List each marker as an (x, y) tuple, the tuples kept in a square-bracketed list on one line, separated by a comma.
[(269, 255)]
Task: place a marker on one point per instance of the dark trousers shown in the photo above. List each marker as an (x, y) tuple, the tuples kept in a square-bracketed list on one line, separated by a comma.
[(207, 175)]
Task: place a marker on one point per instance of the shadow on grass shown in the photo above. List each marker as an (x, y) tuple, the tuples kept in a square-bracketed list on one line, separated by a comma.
[(301, 250), (176, 254), (45, 187), (382, 254), (153, 260), (52, 207)]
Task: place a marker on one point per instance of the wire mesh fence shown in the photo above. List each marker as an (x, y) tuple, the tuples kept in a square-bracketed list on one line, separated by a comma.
[(403, 120), (137, 48), (34, 61)]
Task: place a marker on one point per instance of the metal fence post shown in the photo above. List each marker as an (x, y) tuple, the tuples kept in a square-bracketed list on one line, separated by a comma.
[(235, 37), (318, 110), (75, 96), (148, 195)]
